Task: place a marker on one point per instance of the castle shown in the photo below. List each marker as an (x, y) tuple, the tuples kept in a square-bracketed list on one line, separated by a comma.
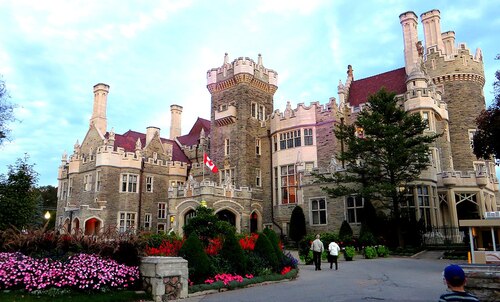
[(265, 156)]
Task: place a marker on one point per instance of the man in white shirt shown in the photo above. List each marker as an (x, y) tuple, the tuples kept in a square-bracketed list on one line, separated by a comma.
[(333, 254), (317, 247)]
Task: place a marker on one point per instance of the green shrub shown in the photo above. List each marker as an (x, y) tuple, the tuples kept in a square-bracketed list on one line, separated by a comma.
[(265, 250), (256, 265), (328, 237), (382, 251), (207, 225), (198, 262), (370, 252), (305, 248), (273, 238), (345, 232), (233, 253), (297, 229), (349, 252)]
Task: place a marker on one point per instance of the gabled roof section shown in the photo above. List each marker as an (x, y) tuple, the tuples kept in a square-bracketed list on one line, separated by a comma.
[(394, 81), (128, 139), (193, 136)]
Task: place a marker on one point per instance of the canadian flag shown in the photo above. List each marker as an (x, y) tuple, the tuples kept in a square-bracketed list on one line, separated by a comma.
[(210, 164)]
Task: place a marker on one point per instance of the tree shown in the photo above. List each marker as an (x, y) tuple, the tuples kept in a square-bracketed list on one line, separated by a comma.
[(391, 152), (18, 199), (207, 225), (297, 224), (6, 113), (198, 263), (487, 137), (233, 253)]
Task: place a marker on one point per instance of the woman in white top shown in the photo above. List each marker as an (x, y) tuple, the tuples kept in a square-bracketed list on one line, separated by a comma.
[(333, 254)]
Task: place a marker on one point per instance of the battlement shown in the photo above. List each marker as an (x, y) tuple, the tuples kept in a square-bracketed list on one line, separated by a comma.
[(209, 188), (235, 71), (301, 115), (468, 178)]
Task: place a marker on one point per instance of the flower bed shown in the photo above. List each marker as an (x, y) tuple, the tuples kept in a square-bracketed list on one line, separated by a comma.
[(81, 272)]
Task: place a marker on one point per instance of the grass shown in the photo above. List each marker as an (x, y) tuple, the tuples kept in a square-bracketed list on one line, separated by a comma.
[(112, 296)]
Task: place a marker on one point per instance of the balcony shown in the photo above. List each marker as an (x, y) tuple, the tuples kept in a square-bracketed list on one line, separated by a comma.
[(226, 115)]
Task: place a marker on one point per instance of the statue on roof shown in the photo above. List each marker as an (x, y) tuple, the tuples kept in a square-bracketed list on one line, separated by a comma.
[(138, 145)]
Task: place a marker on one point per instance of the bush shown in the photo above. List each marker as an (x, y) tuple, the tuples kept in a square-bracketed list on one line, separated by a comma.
[(264, 249), (382, 251), (349, 252), (305, 247), (345, 232), (233, 253), (273, 238), (297, 229), (370, 252), (256, 265), (198, 261), (328, 237), (207, 225), (366, 237)]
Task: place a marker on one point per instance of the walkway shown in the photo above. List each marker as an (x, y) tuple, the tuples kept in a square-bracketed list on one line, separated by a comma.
[(382, 279)]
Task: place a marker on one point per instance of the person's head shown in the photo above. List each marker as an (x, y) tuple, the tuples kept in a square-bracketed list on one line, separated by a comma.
[(454, 275), (317, 236)]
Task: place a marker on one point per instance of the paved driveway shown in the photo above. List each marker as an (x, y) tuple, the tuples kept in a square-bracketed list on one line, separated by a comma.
[(384, 279)]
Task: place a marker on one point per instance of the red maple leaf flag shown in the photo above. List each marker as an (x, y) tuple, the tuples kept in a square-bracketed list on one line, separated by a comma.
[(210, 164)]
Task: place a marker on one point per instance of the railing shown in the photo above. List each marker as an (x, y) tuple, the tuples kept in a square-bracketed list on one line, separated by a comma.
[(443, 236)]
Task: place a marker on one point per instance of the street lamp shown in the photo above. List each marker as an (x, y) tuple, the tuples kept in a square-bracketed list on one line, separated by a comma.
[(47, 215)]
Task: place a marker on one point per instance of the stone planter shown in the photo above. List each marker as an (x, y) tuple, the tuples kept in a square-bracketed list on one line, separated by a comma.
[(165, 278)]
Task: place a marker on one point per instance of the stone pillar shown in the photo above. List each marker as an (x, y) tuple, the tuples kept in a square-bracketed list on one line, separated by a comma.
[(165, 278), (100, 102), (175, 121)]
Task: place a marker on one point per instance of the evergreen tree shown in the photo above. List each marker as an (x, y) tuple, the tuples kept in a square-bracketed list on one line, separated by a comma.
[(233, 253), (487, 137), (19, 203), (207, 225), (275, 242), (264, 249), (297, 229), (391, 152), (198, 262), (345, 232)]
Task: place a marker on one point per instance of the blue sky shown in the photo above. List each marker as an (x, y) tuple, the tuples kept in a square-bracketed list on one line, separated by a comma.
[(156, 53)]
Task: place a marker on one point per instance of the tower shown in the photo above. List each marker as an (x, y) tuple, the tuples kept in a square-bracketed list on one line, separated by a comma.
[(242, 96), (175, 121), (460, 76), (100, 102)]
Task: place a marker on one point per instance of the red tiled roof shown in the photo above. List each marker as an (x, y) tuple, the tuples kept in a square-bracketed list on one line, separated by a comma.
[(128, 139), (393, 81), (193, 136)]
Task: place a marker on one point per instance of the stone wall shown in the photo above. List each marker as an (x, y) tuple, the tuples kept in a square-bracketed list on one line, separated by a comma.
[(165, 278), (483, 281)]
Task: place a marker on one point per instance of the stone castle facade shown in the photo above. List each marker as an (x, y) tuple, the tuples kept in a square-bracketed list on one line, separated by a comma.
[(265, 156)]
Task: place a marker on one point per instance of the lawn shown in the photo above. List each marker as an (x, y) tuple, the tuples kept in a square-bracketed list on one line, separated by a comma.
[(114, 296)]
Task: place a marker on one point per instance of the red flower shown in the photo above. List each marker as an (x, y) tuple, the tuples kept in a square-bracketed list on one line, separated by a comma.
[(248, 242), (286, 270), (214, 246)]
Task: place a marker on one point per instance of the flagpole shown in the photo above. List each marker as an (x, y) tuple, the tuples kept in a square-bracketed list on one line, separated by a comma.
[(203, 165)]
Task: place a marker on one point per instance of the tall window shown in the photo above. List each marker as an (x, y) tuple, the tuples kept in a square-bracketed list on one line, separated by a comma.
[(98, 181), (87, 182), (258, 180), (257, 146), (354, 207), (149, 183), (126, 221), (64, 190), (308, 137), (409, 205), (276, 183), (70, 189), (425, 118), (258, 111), (147, 221), (288, 184), (424, 206), (129, 183), (275, 143), (318, 211), (472, 132), (226, 147), (162, 210)]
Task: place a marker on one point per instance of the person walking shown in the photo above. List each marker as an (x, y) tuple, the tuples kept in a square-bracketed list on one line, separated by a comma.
[(317, 247), (455, 280), (333, 254)]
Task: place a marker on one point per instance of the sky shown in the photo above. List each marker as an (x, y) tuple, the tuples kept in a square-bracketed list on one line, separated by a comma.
[(156, 53)]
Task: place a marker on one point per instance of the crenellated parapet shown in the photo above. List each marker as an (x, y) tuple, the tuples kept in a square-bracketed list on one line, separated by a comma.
[(242, 70), (304, 115), (207, 187)]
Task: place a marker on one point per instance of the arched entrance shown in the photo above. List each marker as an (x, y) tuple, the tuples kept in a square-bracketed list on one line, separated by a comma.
[(254, 222), (226, 215), (190, 214), (92, 226)]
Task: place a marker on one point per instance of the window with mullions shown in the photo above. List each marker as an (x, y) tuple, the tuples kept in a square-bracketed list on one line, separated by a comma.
[(424, 206), (147, 221), (318, 211), (354, 208), (288, 184), (129, 183), (162, 210), (308, 137), (126, 221), (149, 183), (290, 139)]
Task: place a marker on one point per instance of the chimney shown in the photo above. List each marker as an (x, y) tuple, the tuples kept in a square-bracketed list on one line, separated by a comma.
[(409, 23), (432, 29), (150, 133), (99, 113), (175, 121), (448, 42)]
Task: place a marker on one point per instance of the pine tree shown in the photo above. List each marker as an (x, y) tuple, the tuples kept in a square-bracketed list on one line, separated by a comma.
[(233, 253), (198, 263), (264, 249), (297, 224), (392, 152)]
